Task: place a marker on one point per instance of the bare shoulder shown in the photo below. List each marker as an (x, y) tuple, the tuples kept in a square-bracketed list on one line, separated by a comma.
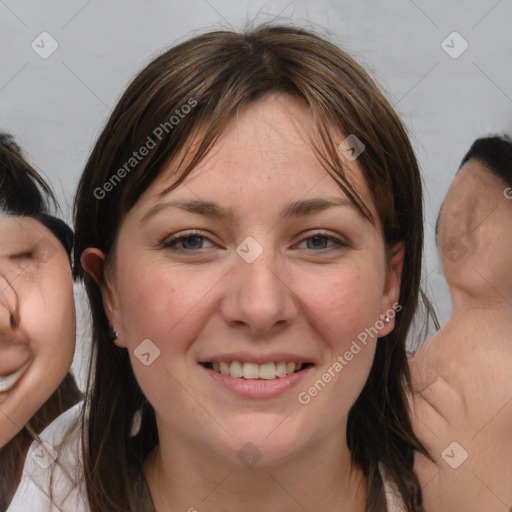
[(461, 409), (466, 368)]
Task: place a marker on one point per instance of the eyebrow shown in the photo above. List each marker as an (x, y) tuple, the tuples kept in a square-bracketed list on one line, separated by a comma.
[(213, 210)]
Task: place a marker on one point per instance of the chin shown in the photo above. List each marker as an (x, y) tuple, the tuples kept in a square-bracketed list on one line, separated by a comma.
[(271, 443), (260, 453)]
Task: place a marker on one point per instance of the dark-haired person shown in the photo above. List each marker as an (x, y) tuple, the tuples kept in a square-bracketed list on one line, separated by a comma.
[(462, 376), (37, 315), (250, 226)]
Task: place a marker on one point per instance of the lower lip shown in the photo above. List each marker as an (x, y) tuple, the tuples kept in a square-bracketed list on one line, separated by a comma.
[(258, 388), (6, 394)]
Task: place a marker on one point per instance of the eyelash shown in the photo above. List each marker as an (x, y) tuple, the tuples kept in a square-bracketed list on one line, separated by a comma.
[(22, 255), (170, 243)]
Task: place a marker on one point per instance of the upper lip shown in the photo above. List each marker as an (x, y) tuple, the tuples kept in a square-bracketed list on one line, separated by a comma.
[(256, 358)]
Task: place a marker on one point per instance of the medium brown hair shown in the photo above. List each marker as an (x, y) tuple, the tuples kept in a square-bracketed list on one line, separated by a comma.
[(222, 72)]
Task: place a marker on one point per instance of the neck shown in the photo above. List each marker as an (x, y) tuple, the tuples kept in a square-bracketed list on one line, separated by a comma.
[(184, 477), (465, 303)]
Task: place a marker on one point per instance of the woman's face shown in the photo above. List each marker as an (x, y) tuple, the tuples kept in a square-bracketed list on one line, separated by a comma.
[(248, 262), (37, 320)]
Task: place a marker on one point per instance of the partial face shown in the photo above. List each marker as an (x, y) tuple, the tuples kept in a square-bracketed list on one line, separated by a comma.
[(475, 223), (244, 313), (37, 320)]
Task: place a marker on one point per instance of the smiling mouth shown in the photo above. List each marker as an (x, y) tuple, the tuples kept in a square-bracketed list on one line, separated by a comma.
[(253, 371), (7, 382)]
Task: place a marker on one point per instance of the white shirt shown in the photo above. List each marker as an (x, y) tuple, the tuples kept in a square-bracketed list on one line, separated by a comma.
[(393, 498), (68, 487), (41, 469)]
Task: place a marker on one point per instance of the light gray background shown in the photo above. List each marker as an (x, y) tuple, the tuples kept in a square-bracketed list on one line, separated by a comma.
[(57, 106)]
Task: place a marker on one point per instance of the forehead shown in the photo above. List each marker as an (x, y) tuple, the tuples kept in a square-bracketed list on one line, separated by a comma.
[(473, 185), (266, 148), (15, 228), (474, 191), (474, 177)]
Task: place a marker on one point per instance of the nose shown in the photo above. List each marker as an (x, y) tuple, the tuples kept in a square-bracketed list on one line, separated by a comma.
[(258, 298), (9, 305)]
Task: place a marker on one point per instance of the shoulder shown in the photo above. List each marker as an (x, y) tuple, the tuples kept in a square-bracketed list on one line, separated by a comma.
[(458, 419), (52, 475), (451, 374)]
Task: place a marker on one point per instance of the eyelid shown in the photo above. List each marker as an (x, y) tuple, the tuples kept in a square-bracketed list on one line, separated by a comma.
[(182, 236), (177, 237), (29, 253), (327, 234), (185, 234)]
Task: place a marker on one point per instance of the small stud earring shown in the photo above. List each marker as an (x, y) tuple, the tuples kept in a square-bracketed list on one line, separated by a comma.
[(115, 334), (387, 319)]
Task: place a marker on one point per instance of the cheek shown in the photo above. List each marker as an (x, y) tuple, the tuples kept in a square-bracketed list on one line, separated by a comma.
[(346, 301), (154, 303), (50, 323), (47, 316), (48, 302), (159, 305), (345, 310)]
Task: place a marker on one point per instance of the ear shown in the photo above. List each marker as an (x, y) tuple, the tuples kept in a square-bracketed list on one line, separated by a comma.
[(391, 292), (93, 261)]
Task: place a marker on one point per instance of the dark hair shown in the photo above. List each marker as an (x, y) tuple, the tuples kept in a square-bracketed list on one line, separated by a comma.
[(217, 74), (495, 153), (23, 192)]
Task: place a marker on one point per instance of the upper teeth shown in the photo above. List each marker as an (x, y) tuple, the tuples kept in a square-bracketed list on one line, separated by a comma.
[(266, 371), (7, 382)]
